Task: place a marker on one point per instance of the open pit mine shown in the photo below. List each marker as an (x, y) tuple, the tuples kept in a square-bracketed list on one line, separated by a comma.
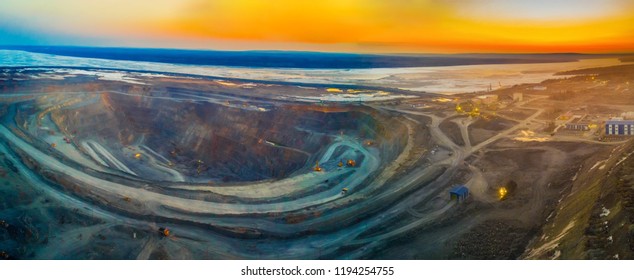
[(113, 164), (110, 164)]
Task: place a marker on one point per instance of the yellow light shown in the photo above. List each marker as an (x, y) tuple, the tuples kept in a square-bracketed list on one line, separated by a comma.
[(502, 192)]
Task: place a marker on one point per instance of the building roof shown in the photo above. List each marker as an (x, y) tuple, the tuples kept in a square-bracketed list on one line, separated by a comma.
[(459, 190), (617, 122)]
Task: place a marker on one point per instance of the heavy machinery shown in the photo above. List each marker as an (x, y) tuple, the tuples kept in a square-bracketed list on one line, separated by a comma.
[(317, 167), (165, 232), (344, 191), (351, 163), (340, 164)]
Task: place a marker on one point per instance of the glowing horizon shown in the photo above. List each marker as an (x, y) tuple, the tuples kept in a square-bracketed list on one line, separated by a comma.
[(415, 26)]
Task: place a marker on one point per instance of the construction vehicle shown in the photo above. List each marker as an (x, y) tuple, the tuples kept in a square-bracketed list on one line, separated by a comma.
[(53, 145), (317, 167), (340, 164), (165, 232), (137, 155), (351, 163), (344, 191)]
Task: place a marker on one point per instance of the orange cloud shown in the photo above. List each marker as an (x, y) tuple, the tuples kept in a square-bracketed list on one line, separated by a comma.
[(399, 26), (350, 25)]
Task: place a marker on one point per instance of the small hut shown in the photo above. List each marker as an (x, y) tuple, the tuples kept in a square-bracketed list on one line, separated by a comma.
[(459, 193)]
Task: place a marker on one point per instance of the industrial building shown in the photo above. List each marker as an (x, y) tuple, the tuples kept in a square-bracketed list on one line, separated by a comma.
[(619, 126), (459, 193), (578, 123)]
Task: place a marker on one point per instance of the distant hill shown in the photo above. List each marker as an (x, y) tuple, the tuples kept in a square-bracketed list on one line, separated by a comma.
[(609, 70), (627, 59), (295, 59)]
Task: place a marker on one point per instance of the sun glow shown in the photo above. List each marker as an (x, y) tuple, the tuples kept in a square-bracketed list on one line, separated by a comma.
[(348, 25)]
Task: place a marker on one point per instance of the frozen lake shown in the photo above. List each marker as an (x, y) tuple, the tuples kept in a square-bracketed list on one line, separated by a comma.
[(443, 79)]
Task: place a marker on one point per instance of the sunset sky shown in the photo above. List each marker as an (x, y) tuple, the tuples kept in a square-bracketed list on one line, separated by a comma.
[(428, 26)]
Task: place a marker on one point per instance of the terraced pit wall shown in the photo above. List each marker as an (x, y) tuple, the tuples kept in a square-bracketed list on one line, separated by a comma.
[(227, 143)]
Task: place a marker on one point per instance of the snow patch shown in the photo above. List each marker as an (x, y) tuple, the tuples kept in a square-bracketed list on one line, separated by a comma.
[(604, 212), (550, 245), (623, 158), (107, 76), (597, 164)]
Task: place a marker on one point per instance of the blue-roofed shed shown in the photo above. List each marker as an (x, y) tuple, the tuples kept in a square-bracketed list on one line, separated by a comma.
[(459, 193)]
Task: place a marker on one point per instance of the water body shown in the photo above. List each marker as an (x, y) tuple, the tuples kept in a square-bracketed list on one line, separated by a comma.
[(435, 79), (296, 59)]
